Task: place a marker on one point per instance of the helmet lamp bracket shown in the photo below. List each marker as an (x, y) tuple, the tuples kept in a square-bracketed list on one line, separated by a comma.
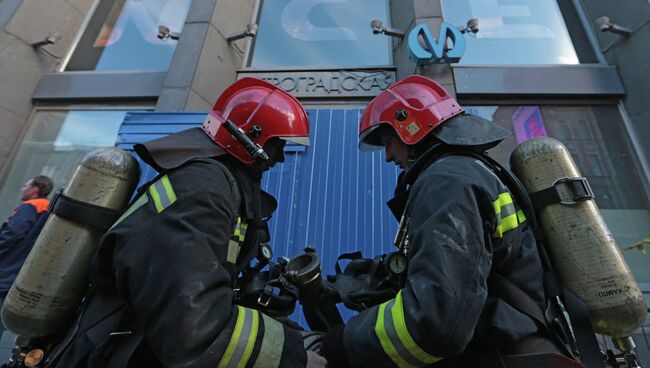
[(254, 150)]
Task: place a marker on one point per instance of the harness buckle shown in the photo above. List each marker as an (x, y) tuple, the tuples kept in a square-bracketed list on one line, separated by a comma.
[(579, 187), (265, 296), (120, 333)]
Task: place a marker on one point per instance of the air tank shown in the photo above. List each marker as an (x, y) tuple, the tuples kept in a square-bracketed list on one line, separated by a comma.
[(581, 247), (50, 285)]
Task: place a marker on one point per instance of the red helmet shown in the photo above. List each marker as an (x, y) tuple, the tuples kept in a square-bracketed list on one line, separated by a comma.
[(412, 107), (260, 109)]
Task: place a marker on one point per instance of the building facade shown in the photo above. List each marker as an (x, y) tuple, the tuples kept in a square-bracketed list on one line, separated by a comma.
[(575, 70)]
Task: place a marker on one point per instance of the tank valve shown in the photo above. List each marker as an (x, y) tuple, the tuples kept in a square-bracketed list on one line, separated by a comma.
[(627, 346)]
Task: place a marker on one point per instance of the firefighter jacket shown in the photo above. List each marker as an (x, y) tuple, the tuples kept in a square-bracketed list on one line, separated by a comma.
[(17, 237), (163, 279), (463, 225)]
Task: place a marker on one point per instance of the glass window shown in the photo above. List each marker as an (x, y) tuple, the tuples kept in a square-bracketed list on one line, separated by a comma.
[(563, 130), (512, 32), (122, 35), (607, 163), (321, 33), (54, 145)]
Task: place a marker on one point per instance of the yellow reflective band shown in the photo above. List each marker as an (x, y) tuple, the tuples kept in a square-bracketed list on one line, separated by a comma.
[(397, 312), (272, 344), (507, 215), (237, 232), (509, 223), (240, 230), (142, 200), (384, 340), (234, 339), (520, 216), (233, 251), (252, 336), (234, 244), (162, 193), (156, 199), (169, 189), (502, 200), (243, 227)]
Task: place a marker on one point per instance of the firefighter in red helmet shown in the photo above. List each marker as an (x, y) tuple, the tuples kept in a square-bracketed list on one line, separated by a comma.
[(163, 277), (462, 227)]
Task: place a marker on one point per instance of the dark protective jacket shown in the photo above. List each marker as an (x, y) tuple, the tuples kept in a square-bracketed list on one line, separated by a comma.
[(17, 237), (164, 275), (463, 225)]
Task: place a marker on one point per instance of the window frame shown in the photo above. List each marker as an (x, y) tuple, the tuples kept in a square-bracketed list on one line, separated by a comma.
[(74, 45), (46, 107), (250, 47), (586, 36), (555, 81)]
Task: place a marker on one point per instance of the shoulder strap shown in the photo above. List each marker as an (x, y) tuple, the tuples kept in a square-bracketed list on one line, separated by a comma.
[(84, 213), (582, 337), (516, 298), (236, 194)]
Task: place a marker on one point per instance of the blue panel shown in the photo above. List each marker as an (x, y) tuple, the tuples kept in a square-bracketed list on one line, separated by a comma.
[(331, 196), (145, 126)]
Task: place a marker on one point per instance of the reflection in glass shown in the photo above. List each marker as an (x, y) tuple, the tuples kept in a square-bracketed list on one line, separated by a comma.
[(513, 32), (563, 131), (322, 33), (122, 35), (54, 145), (607, 164), (583, 129)]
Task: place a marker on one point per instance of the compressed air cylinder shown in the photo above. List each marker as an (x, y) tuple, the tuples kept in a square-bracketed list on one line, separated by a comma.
[(581, 247), (51, 283)]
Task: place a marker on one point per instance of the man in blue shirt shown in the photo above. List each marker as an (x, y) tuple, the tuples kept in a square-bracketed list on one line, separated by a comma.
[(19, 232)]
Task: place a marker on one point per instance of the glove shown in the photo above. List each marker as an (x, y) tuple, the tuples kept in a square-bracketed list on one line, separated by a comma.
[(315, 361), (312, 341)]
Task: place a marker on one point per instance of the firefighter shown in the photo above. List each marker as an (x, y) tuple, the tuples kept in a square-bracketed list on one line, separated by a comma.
[(462, 227), (163, 276)]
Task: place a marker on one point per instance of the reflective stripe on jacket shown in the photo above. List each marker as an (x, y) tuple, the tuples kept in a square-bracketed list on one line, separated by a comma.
[(173, 257), (462, 219)]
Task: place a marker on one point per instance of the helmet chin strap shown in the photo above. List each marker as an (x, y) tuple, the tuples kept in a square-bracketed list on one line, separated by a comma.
[(411, 155)]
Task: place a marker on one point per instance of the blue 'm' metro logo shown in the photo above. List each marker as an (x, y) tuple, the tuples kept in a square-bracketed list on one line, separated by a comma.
[(436, 53)]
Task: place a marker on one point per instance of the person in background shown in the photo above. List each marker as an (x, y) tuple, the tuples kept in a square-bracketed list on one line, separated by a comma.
[(18, 234)]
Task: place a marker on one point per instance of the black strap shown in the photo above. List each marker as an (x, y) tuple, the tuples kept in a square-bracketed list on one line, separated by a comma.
[(545, 197), (516, 298), (83, 213), (236, 195), (126, 349), (576, 307), (579, 186), (275, 296), (506, 263), (126, 342), (590, 353), (351, 256), (364, 282)]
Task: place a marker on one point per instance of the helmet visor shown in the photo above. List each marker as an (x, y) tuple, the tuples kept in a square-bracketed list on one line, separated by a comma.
[(370, 139), (303, 141)]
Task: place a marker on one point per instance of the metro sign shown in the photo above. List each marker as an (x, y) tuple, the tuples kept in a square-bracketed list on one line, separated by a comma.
[(435, 52)]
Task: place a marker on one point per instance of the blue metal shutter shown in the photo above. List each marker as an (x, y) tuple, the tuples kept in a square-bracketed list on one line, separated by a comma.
[(331, 196)]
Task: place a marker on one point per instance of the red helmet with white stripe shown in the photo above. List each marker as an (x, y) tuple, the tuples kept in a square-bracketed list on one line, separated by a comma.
[(262, 110), (412, 107)]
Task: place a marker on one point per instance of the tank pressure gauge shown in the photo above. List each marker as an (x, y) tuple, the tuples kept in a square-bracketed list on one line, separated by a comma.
[(397, 263)]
